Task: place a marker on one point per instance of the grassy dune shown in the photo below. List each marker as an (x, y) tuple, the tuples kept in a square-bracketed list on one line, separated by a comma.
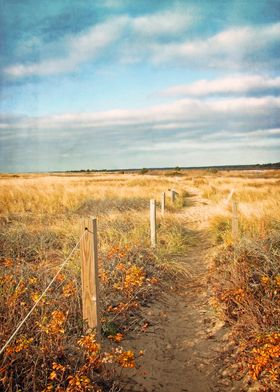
[(40, 224)]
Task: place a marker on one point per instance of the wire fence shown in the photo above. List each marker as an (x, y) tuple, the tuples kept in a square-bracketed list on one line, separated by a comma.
[(22, 322)]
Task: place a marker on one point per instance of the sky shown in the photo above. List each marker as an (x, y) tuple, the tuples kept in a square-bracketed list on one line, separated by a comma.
[(111, 84)]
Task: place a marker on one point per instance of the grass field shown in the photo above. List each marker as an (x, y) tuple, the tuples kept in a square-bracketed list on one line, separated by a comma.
[(40, 223)]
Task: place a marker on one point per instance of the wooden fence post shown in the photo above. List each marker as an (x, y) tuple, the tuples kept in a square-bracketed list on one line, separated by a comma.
[(153, 223), (162, 203), (173, 194), (89, 275), (234, 221)]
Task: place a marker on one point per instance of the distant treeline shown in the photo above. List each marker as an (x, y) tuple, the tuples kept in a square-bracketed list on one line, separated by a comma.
[(264, 166)]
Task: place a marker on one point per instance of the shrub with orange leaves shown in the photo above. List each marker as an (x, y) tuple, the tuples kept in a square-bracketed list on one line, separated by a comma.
[(127, 359), (104, 278), (117, 252), (50, 336), (120, 267), (247, 289), (263, 353), (265, 280), (80, 383), (89, 344), (116, 338), (60, 278), (17, 294), (69, 289), (57, 373), (55, 326), (133, 278), (123, 307), (88, 375), (136, 280), (22, 343), (7, 262)]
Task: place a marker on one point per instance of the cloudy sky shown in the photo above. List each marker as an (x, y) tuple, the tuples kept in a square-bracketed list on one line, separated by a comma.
[(138, 83)]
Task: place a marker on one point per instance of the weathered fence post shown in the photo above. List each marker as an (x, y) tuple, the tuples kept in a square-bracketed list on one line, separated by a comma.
[(234, 221), (89, 275), (162, 203), (153, 223), (173, 194)]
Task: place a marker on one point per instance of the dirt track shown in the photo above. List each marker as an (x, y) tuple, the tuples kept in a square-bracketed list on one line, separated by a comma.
[(185, 340)]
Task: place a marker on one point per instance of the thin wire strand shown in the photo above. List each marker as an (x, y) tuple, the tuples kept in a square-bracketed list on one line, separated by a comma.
[(41, 296)]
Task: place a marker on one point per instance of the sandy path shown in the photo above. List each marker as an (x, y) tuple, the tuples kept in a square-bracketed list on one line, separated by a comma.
[(185, 338)]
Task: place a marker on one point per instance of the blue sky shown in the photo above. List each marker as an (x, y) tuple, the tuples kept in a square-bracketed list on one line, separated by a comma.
[(121, 84)]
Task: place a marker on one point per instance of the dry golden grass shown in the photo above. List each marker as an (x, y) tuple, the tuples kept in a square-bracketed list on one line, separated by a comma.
[(42, 212), (258, 203), (39, 221), (57, 194)]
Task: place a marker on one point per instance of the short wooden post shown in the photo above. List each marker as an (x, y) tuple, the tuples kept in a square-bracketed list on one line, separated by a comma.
[(234, 221), (162, 203), (89, 275), (173, 194), (153, 223)]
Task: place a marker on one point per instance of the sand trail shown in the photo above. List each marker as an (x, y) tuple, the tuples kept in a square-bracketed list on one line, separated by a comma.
[(185, 339)]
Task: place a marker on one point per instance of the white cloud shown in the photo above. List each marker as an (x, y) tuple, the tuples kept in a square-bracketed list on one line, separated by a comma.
[(246, 112), (222, 131), (167, 23), (47, 67), (90, 44), (79, 48), (265, 132), (134, 39), (236, 84), (230, 48)]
